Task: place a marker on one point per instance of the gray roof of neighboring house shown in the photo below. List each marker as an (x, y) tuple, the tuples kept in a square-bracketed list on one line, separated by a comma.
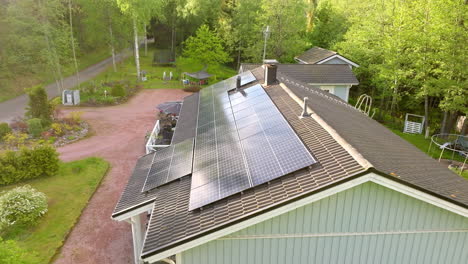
[(320, 73), (316, 74), (172, 223), (315, 54)]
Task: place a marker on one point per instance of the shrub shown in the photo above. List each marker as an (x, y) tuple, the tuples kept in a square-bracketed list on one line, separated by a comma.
[(75, 117), (118, 90), (40, 161), (15, 140), (11, 253), (4, 130), (58, 129), (39, 106), (21, 206), (35, 127)]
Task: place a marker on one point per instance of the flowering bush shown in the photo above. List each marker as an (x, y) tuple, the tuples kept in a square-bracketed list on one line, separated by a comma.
[(21, 206)]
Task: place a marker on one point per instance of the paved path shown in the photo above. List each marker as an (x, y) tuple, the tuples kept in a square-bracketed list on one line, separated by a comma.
[(15, 107), (119, 138)]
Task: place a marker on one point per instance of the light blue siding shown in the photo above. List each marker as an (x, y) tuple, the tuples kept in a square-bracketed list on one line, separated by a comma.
[(366, 224), (341, 91)]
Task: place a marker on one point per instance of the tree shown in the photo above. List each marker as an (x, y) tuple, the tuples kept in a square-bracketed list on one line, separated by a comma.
[(140, 12), (329, 26), (39, 106), (206, 48)]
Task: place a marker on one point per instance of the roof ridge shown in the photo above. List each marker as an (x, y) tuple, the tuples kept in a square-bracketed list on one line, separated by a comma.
[(347, 146)]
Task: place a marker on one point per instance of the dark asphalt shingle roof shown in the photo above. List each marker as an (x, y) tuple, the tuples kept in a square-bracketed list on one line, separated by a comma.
[(320, 73), (315, 73), (315, 54), (386, 151)]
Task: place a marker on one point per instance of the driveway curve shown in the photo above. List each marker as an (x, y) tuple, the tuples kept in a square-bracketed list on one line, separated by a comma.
[(119, 133)]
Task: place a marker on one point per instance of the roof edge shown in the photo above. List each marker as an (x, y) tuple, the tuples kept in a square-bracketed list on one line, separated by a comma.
[(351, 181), (253, 214)]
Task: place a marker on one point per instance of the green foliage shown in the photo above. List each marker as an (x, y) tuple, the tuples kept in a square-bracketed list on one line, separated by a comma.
[(68, 193), (329, 26), (118, 90), (39, 106), (15, 140), (11, 253), (206, 47), (16, 166), (35, 127), (4, 130), (21, 206)]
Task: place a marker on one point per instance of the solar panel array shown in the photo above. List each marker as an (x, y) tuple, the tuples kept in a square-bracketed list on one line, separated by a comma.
[(242, 141), (170, 163)]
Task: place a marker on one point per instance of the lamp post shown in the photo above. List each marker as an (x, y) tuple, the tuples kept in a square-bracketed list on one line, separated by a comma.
[(266, 34)]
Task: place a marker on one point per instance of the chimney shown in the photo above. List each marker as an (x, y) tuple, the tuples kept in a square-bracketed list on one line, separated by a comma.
[(238, 83), (271, 67)]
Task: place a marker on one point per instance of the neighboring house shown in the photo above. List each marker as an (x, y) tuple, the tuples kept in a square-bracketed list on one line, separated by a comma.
[(317, 55), (334, 79), (364, 196)]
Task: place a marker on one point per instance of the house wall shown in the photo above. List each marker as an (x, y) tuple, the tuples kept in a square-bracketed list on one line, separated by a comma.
[(335, 61), (341, 91), (366, 224)]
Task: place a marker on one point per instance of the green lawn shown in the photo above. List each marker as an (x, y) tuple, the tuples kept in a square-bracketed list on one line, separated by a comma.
[(126, 71), (15, 87), (68, 194), (423, 144)]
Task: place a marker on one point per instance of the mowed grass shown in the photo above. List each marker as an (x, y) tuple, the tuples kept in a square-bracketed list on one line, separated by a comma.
[(423, 144), (126, 70), (14, 87), (68, 194)]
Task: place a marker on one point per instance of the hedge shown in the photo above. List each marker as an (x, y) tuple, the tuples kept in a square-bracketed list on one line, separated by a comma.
[(16, 166)]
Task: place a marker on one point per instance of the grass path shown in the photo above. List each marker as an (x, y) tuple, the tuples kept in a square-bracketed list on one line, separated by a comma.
[(68, 193)]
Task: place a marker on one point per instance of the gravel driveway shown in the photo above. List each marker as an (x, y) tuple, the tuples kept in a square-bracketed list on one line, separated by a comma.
[(119, 138)]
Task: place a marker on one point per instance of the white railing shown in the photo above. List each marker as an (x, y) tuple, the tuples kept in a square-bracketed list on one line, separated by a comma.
[(151, 143)]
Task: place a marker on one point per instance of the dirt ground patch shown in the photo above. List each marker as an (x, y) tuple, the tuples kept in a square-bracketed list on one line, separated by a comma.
[(119, 137)]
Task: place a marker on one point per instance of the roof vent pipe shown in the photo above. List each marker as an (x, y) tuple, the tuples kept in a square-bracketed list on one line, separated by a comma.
[(304, 110), (238, 83)]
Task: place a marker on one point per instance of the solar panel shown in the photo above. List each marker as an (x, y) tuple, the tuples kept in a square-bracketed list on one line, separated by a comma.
[(169, 164), (247, 143)]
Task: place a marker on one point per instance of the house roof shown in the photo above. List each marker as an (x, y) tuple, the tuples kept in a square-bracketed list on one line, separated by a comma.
[(315, 54), (386, 151), (172, 223), (315, 74), (320, 73)]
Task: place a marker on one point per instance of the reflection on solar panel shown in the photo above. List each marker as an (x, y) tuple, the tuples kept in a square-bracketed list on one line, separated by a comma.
[(169, 164), (242, 141)]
